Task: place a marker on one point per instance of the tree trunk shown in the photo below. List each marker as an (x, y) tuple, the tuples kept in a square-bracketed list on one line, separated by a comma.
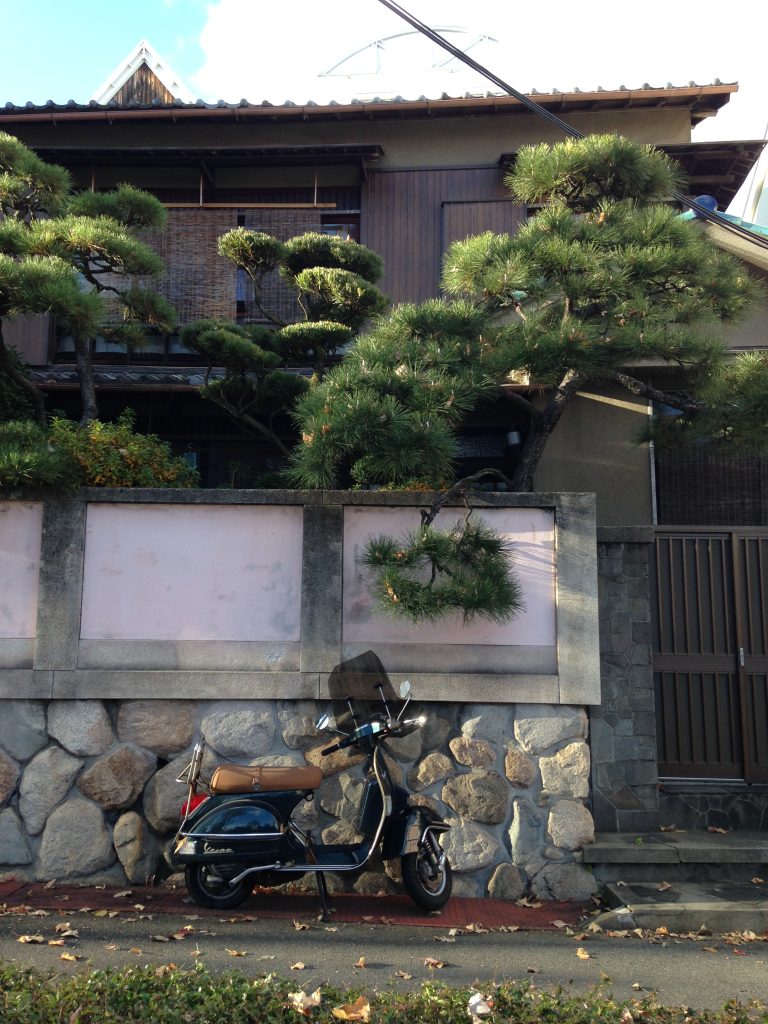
[(542, 425), (8, 366), (88, 409)]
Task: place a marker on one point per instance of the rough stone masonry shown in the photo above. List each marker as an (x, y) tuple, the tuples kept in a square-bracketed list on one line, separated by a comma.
[(88, 790)]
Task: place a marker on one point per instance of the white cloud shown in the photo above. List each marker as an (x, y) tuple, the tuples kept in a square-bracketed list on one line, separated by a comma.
[(261, 50)]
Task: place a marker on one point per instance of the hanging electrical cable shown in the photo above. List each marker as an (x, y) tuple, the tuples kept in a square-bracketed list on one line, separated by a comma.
[(704, 212)]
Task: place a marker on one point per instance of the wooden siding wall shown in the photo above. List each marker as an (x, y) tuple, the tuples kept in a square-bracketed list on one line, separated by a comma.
[(408, 217)]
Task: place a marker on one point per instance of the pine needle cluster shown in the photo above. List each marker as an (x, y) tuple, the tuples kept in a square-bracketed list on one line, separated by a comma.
[(428, 574), (388, 413)]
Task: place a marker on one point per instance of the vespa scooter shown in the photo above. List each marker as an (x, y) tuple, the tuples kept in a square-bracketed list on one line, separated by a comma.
[(237, 830)]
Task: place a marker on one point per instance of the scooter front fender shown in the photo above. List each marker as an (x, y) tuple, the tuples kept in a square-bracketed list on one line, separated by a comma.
[(408, 832)]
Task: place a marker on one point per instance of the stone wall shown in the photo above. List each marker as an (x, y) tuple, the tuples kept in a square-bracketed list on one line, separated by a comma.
[(623, 727), (88, 790), (100, 704)]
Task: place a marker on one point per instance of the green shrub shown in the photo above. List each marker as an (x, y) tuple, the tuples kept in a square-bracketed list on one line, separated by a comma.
[(112, 455), (28, 461), (168, 995)]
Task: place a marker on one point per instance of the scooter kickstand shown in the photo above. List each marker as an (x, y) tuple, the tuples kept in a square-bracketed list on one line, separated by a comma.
[(322, 888)]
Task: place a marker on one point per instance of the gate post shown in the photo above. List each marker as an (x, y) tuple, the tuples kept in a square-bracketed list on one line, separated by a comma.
[(623, 727)]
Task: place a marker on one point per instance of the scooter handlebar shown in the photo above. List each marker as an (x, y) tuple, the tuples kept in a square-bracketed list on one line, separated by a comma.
[(346, 742)]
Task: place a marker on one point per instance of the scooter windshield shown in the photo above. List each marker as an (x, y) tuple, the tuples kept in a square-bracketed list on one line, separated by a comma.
[(362, 682)]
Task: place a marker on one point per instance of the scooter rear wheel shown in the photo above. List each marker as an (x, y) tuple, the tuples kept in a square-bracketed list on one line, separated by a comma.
[(207, 885), (428, 886)]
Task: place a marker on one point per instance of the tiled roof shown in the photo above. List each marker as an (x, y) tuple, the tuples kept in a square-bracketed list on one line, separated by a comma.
[(703, 99)]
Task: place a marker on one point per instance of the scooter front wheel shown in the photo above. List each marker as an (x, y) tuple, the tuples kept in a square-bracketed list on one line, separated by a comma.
[(427, 883), (207, 885)]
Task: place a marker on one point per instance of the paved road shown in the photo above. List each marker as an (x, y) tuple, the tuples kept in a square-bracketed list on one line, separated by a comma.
[(701, 974)]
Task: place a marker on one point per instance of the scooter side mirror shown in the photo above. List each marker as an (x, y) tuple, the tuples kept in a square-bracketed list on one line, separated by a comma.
[(325, 721), (405, 689)]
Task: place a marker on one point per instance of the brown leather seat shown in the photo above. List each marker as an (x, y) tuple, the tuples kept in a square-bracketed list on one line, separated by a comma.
[(247, 778)]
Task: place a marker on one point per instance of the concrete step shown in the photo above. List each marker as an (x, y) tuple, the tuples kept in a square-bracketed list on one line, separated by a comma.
[(682, 908), (678, 856)]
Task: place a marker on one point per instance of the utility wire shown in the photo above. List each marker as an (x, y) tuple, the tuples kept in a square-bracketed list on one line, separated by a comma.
[(709, 215)]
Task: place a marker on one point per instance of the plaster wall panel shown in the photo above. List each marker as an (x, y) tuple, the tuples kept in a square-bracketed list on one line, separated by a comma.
[(20, 541), (527, 642), (199, 573)]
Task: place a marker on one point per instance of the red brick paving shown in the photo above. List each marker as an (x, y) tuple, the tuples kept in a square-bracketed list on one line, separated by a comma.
[(458, 912)]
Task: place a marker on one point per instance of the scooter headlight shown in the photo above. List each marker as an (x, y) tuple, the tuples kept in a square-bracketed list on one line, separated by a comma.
[(186, 848)]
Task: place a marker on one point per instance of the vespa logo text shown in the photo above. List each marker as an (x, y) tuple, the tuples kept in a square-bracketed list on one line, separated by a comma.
[(210, 848)]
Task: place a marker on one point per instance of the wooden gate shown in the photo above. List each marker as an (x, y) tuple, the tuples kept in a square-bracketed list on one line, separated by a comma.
[(710, 662)]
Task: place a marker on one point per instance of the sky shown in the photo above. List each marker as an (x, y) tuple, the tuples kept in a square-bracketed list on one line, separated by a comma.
[(305, 49)]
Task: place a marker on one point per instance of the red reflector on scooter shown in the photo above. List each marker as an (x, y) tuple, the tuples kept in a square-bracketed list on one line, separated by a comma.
[(191, 805)]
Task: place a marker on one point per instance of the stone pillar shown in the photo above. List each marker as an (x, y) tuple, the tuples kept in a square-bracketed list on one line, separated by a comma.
[(623, 727)]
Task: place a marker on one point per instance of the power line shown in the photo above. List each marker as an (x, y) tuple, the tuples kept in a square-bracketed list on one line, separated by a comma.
[(709, 215)]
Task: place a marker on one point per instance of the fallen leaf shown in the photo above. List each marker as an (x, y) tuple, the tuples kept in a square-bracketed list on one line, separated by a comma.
[(359, 1010), (35, 940), (235, 952), (404, 975), (136, 950), (301, 926), (558, 924), (626, 1016), (387, 920), (479, 1006), (435, 965), (360, 962), (667, 828), (594, 927), (637, 986), (663, 886), (180, 935), (164, 970), (159, 938), (268, 956), (477, 929), (719, 831), (51, 884), (56, 942), (123, 892), (68, 933), (527, 902), (100, 913), (298, 966), (368, 918), (445, 938), (302, 1003), (739, 952), (70, 956), (196, 951), (582, 954), (38, 913), (112, 945), (662, 930), (709, 949), (757, 881), (139, 906), (330, 929)]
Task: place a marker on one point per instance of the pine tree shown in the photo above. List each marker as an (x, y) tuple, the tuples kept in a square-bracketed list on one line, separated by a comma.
[(605, 277), (77, 257), (334, 281)]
